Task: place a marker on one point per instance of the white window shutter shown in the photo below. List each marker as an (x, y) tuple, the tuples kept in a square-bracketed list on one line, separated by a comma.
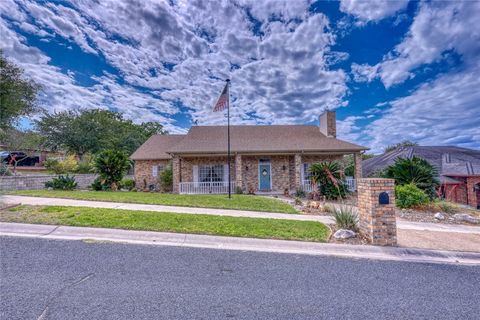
[(225, 173), (195, 173), (154, 171)]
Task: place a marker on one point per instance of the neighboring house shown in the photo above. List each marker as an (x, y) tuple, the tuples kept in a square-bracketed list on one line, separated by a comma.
[(271, 159), (458, 169)]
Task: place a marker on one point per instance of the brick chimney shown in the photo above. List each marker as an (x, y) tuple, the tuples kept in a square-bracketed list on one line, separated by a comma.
[(328, 123)]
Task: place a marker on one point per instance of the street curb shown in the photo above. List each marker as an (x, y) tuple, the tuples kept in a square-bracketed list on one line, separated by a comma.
[(240, 244)]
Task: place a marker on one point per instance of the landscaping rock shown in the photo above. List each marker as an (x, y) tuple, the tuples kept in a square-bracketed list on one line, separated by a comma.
[(344, 234), (465, 217), (439, 216)]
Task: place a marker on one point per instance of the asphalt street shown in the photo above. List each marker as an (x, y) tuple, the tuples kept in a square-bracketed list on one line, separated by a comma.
[(54, 279)]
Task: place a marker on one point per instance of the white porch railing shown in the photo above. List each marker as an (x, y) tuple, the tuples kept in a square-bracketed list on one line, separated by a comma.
[(206, 187), (307, 186), (349, 181), (351, 184)]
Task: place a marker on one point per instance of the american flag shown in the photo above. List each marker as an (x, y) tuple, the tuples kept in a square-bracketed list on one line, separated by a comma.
[(222, 102)]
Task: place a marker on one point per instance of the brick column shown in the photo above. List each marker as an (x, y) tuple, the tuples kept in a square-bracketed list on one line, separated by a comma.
[(176, 173), (377, 221), (238, 171), (298, 170), (357, 159)]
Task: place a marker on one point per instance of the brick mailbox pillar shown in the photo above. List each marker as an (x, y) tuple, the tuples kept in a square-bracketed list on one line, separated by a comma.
[(376, 208)]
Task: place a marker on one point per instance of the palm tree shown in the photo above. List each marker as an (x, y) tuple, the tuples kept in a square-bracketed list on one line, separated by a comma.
[(416, 170), (329, 177)]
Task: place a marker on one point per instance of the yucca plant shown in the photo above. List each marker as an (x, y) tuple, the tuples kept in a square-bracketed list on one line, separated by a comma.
[(329, 177), (346, 217)]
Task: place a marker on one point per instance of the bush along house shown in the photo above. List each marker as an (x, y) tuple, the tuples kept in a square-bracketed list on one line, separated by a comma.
[(458, 169), (264, 159)]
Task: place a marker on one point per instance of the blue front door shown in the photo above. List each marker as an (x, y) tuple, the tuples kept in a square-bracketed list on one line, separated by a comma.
[(264, 171)]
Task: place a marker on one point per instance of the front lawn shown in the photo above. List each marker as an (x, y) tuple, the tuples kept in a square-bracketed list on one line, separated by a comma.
[(169, 222), (238, 202)]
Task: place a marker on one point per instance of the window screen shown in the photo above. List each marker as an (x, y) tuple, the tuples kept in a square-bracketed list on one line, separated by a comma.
[(209, 173)]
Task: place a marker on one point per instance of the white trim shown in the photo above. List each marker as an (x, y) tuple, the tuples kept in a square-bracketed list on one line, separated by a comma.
[(155, 171), (195, 173), (270, 175), (225, 174)]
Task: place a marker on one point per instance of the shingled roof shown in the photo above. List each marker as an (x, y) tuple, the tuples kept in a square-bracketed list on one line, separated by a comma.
[(246, 139), (156, 147), (448, 160), (255, 138)]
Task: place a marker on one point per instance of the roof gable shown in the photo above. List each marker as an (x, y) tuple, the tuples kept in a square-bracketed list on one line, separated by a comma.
[(448, 160)]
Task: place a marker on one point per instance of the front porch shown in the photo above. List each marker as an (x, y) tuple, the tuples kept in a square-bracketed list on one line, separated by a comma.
[(269, 174)]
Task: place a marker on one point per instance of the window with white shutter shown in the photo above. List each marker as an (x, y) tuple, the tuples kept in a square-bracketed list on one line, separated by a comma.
[(155, 171)]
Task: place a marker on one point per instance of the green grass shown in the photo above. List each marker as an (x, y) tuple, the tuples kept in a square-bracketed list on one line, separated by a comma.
[(169, 222), (238, 202)]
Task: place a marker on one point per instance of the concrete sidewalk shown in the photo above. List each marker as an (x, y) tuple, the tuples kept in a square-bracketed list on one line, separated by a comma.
[(38, 201), (246, 244), (401, 224)]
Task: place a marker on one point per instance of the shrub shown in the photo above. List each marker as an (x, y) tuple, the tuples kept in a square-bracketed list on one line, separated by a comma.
[(415, 171), (329, 176), (298, 201), (62, 183), (86, 165), (4, 171), (409, 195), (68, 165), (239, 190), (99, 185), (345, 217), (165, 179), (111, 166), (128, 184), (299, 193)]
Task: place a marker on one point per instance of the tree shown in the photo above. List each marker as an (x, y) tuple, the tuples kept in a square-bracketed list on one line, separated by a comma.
[(405, 143), (329, 177), (416, 171), (18, 96), (348, 163), (94, 130), (111, 166)]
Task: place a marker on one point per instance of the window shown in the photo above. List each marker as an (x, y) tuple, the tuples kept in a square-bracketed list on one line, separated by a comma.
[(306, 171), (212, 173), (156, 170)]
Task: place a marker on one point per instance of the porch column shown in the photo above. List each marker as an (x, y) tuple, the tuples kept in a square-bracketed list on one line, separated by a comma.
[(298, 170), (238, 171), (176, 173), (357, 159)]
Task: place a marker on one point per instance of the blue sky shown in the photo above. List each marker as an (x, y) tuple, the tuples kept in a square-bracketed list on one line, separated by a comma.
[(393, 70)]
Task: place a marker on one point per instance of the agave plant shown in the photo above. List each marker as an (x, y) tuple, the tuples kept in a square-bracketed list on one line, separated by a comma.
[(329, 177)]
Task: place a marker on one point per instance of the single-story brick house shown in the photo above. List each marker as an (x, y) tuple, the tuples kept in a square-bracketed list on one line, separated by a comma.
[(458, 169), (270, 159)]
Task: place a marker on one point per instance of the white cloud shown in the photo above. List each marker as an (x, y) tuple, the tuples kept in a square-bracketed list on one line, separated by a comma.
[(443, 112), (437, 28), (372, 10), (280, 73)]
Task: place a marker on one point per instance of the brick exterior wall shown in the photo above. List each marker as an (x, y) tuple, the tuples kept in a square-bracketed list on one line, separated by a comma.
[(377, 221), (472, 194), (143, 172), (357, 159), (285, 169)]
